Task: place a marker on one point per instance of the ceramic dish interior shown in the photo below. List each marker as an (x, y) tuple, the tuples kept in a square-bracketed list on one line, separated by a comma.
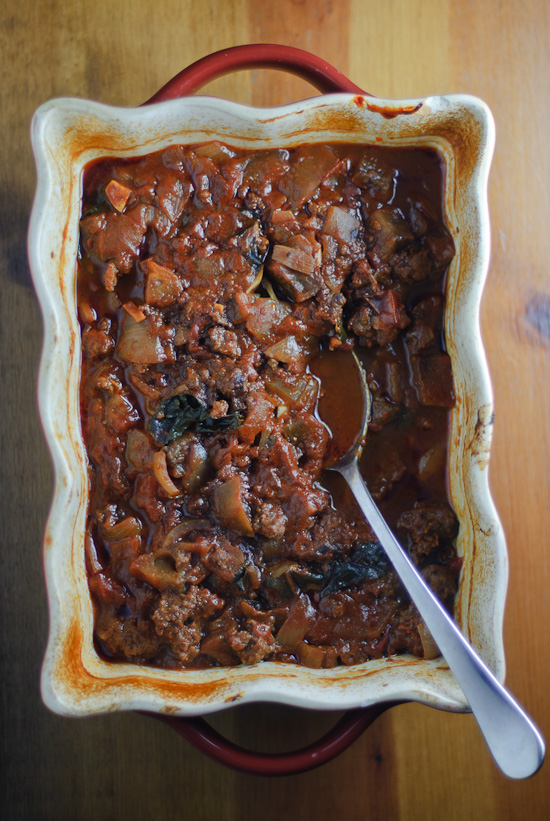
[(66, 135)]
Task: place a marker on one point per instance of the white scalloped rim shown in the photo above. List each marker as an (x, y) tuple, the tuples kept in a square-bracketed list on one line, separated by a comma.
[(66, 135)]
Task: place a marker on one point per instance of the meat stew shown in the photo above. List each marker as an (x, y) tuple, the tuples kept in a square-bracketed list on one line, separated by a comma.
[(209, 278)]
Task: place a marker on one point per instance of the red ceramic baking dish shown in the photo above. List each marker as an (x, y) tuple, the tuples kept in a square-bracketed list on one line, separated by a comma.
[(67, 135)]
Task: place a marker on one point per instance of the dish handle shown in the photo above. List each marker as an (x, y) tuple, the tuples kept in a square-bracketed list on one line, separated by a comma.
[(318, 72), (209, 742), (327, 80)]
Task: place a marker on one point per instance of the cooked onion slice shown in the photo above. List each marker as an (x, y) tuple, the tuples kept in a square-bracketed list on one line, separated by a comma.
[(163, 285), (160, 472), (342, 224), (262, 315), (157, 570), (229, 506), (431, 650), (140, 342), (296, 625), (257, 280), (311, 655), (91, 553), (130, 526), (179, 532)]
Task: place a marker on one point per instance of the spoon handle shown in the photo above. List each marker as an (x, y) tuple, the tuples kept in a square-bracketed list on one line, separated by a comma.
[(513, 739)]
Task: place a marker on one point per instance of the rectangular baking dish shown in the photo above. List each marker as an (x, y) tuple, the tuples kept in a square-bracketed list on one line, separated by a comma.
[(69, 133)]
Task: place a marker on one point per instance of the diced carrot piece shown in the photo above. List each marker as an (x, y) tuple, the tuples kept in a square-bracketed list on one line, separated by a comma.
[(110, 277), (87, 313), (118, 195), (135, 312)]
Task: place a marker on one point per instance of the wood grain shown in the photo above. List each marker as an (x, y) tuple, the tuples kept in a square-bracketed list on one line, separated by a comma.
[(414, 763)]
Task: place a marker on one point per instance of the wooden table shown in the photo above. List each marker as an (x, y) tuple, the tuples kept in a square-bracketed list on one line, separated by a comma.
[(414, 763)]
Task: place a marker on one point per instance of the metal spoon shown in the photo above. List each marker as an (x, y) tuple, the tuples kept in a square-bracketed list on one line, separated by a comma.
[(513, 739)]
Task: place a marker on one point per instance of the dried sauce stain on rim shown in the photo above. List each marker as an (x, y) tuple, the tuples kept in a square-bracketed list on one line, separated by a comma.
[(390, 112), (236, 697), (480, 446), (77, 678), (209, 277)]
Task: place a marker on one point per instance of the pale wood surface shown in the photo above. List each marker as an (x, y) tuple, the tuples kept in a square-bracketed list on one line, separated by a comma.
[(414, 763)]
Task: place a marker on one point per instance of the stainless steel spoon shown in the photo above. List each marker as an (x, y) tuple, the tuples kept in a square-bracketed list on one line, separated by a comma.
[(513, 739)]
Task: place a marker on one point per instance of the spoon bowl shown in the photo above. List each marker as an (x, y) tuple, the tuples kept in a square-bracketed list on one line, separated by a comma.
[(344, 404), (344, 408)]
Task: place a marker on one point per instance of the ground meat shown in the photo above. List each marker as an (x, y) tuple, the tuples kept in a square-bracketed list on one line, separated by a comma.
[(224, 342), (225, 560), (97, 343), (419, 337), (131, 638), (386, 478), (382, 412), (329, 536), (404, 636), (177, 619), (412, 265), (389, 233), (375, 177), (442, 580), (269, 520), (253, 643), (427, 524), (379, 321)]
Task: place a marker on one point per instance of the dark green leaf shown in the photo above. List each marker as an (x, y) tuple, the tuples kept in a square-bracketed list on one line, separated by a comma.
[(184, 412), (345, 575), (309, 579), (367, 562), (373, 557), (230, 421)]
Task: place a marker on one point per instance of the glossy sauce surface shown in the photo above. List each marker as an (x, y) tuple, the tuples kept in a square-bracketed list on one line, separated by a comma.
[(343, 404)]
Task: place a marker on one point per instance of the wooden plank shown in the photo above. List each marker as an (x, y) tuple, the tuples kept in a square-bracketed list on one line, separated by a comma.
[(506, 65), (413, 763)]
